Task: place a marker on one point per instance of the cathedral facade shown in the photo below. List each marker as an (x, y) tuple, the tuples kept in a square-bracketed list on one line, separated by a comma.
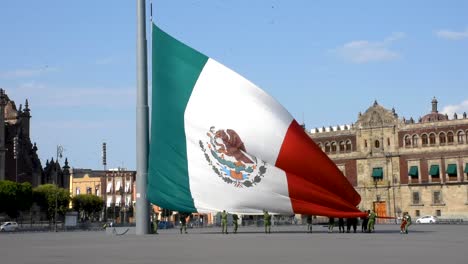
[(400, 165), (19, 161)]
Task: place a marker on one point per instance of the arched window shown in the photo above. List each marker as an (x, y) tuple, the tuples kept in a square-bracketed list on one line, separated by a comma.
[(348, 145), (432, 139), (424, 140), (342, 146), (320, 146), (407, 141), (327, 147), (442, 138), (450, 137), (377, 144), (333, 147), (460, 137), (415, 140)]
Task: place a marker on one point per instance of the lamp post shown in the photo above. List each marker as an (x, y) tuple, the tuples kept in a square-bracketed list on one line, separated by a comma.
[(59, 155), (388, 157)]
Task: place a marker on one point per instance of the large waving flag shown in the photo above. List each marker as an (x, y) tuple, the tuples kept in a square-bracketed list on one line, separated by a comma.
[(218, 142)]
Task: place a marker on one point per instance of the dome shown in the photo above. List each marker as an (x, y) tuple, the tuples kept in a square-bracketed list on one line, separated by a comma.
[(433, 117)]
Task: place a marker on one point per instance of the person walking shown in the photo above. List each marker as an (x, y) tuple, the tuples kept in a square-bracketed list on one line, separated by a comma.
[(408, 222), (183, 222), (235, 218), (341, 225), (267, 221), (224, 216), (371, 223), (403, 223), (309, 223), (331, 224)]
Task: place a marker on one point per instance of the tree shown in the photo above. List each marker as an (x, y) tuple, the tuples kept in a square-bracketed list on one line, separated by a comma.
[(15, 197), (88, 205), (48, 195)]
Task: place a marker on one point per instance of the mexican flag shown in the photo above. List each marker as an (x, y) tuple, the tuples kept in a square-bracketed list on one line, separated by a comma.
[(218, 142)]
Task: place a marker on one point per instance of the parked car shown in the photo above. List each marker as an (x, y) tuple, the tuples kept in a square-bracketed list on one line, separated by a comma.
[(9, 226), (427, 219)]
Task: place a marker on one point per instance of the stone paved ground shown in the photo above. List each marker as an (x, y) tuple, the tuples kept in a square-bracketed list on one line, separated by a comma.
[(288, 244)]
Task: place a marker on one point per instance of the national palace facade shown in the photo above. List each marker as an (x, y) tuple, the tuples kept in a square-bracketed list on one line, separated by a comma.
[(397, 165)]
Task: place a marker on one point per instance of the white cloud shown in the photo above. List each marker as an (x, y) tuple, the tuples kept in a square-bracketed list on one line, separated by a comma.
[(24, 73), (456, 108), (363, 51), (452, 35)]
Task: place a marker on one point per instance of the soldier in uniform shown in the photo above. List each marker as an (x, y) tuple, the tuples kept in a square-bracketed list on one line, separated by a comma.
[(407, 222), (267, 221), (371, 224), (365, 222), (309, 223), (224, 216), (235, 218), (331, 224), (183, 222), (341, 225)]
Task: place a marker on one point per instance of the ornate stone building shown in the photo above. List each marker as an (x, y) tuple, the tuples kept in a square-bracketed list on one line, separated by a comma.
[(14, 123), (402, 165)]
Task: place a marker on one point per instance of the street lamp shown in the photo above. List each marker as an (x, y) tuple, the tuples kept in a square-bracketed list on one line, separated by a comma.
[(59, 155), (388, 156)]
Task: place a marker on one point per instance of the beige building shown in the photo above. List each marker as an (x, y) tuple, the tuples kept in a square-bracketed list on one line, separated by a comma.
[(115, 187), (400, 165)]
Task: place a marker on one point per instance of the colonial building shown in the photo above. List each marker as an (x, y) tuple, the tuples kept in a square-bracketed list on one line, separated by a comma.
[(115, 187), (400, 165), (18, 155)]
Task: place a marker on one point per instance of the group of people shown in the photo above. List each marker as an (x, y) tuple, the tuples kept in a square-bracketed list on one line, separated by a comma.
[(405, 223), (367, 226), (235, 219)]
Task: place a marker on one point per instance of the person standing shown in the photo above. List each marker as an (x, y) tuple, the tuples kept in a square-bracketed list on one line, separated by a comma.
[(224, 216), (331, 224), (371, 224), (235, 218), (267, 221), (309, 223), (365, 221), (354, 222), (341, 225)]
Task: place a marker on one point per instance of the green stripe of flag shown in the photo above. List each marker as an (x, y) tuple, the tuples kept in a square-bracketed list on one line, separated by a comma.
[(176, 68)]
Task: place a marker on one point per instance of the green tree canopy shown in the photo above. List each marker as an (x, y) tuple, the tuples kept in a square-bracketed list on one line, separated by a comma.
[(15, 197), (88, 205), (47, 195)]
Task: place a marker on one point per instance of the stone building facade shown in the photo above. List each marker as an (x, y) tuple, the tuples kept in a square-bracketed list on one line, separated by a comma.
[(400, 165), (25, 166)]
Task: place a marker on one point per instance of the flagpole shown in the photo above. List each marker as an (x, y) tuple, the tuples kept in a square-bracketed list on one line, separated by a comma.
[(142, 124)]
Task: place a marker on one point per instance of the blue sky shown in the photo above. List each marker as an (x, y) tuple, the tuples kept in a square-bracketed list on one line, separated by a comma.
[(324, 61)]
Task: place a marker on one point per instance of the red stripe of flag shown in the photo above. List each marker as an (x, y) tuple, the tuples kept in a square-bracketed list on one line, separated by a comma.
[(314, 182)]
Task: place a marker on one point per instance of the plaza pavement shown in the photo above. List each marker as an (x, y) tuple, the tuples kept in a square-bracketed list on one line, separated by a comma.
[(287, 244)]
